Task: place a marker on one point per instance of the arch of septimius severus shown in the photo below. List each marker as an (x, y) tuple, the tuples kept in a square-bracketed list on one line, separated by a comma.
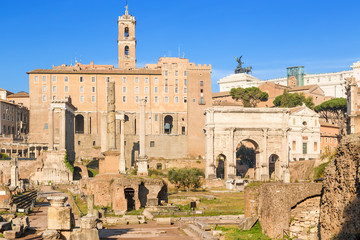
[(263, 129)]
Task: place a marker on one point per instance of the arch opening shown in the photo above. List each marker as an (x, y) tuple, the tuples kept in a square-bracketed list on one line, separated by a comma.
[(126, 51), (126, 32), (220, 166), (168, 124), (246, 157), (273, 165), (79, 124)]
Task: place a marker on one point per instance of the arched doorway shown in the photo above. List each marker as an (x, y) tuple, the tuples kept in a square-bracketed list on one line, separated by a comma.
[(129, 196), (220, 166), (246, 156), (168, 124), (79, 124), (273, 162)]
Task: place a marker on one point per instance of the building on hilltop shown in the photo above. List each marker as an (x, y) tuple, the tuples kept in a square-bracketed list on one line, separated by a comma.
[(177, 93), (333, 84)]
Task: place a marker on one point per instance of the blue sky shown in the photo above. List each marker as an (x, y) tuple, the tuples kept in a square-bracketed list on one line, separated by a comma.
[(322, 35)]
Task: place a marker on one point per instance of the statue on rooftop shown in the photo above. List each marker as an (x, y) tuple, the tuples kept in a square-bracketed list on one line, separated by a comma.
[(240, 69)]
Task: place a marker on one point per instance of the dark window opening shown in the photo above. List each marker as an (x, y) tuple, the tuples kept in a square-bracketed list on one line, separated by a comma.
[(152, 143), (183, 130), (79, 124), (126, 32), (126, 51), (158, 166), (94, 143), (129, 196), (168, 124), (79, 143)]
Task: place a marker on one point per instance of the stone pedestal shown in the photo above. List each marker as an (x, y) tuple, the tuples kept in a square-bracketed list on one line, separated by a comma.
[(286, 176), (59, 216), (142, 163), (152, 202), (109, 163)]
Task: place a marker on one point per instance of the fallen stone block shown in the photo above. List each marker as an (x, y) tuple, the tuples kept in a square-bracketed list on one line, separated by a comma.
[(203, 226), (163, 221), (148, 214), (51, 235), (11, 234), (248, 223), (84, 234)]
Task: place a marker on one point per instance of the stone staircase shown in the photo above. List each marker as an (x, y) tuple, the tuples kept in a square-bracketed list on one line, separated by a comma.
[(23, 203)]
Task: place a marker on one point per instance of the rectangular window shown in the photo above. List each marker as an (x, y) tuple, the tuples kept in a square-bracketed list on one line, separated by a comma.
[(124, 79), (93, 79), (93, 98), (156, 80), (166, 99), (156, 99), (202, 101), (82, 89), (46, 126), (294, 145), (81, 99), (201, 83), (185, 90), (124, 89), (304, 148), (183, 130), (54, 78), (146, 90), (166, 82), (66, 79), (185, 99), (166, 89), (54, 98), (66, 88), (107, 79), (44, 78), (176, 89), (136, 89), (156, 117), (44, 88), (146, 98), (185, 82), (146, 80), (54, 89), (156, 89), (166, 73), (124, 98), (93, 89), (44, 98), (36, 78), (137, 99), (152, 144), (176, 73), (315, 146), (176, 99), (81, 79), (176, 82), (136, 80)]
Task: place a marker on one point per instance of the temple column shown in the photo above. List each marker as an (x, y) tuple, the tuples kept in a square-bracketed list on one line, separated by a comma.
[(111, 133), (230, 165), (28, 152), (210, 163), (51, 128), (63, 129), (285, 159), (142, 160), (265, 160), (122, 163)]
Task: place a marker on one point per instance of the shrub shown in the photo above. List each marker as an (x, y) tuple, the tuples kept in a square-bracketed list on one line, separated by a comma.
[(186, 177), (319, 170), (67, 163)]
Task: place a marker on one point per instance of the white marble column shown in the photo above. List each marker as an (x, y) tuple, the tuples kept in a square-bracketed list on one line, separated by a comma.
[(122, 163), (63, 129), (51, 128), (210, 163), (142, 160), (265, 160)]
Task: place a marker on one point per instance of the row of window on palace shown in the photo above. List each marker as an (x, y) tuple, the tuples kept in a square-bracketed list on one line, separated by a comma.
[(8, 114), (137, 99), (124, 89), (124, 80)]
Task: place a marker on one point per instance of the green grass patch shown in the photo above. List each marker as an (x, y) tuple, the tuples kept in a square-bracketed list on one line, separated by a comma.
[(319, 170), (233, 233), (93, 172), (135, 212)]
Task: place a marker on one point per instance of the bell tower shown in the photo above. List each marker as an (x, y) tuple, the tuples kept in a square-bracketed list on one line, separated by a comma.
[(126, 41)]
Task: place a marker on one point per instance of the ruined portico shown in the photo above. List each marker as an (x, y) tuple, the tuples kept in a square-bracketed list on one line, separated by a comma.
[(266, 129)]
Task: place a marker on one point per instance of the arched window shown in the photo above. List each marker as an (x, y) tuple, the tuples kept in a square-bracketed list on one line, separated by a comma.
[(126, 32), (168, 124), (79, 124), (126, 52)]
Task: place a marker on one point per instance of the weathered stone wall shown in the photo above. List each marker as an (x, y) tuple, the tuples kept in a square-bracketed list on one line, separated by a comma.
[(26, 167), (304, 223), (275, 201), (301, 170), (340, 202)]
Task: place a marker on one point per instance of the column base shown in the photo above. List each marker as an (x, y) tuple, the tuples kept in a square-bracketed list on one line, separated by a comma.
[(142, 164)]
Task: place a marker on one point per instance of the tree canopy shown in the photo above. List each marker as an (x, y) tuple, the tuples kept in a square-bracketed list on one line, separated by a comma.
[(334, 111), (290, 100), (186, 177), (250, 97)]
